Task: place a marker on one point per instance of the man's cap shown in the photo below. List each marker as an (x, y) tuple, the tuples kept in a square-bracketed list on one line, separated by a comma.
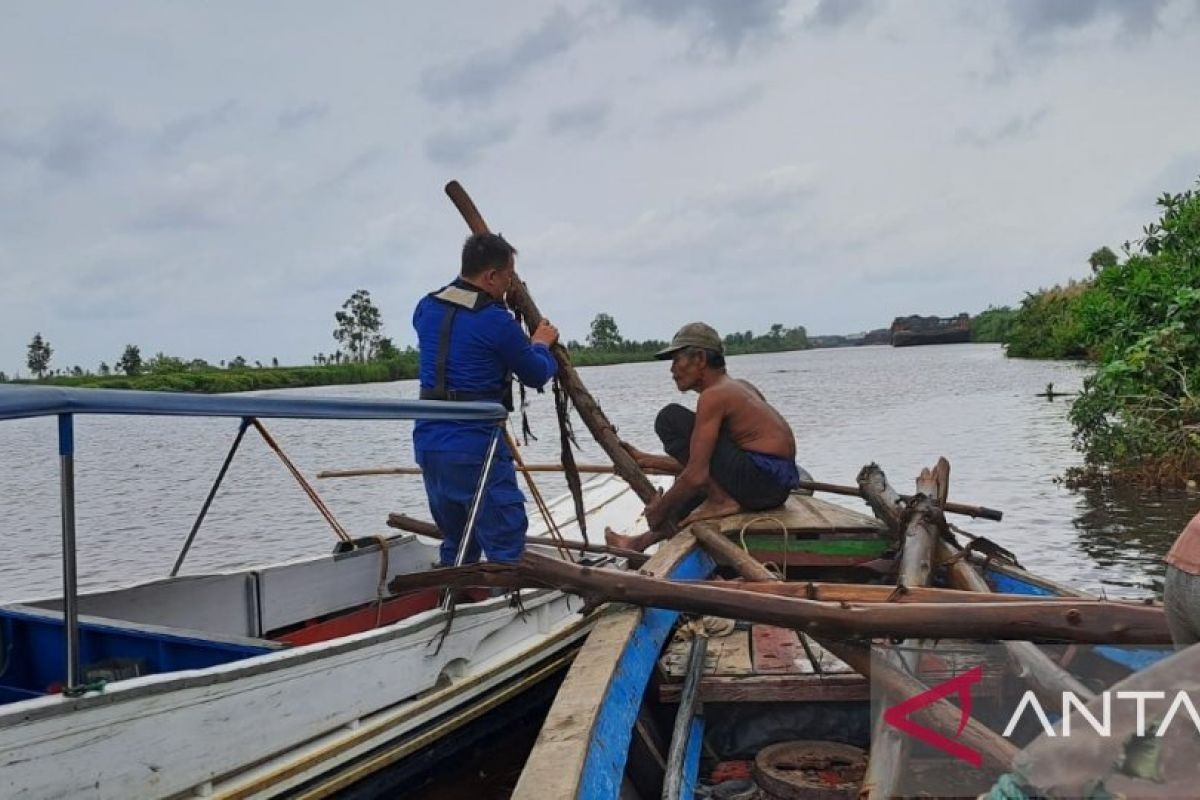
[(694, 334)]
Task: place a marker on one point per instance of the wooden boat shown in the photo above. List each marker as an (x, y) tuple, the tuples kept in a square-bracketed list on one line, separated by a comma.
[(607, 734), (294, 678)]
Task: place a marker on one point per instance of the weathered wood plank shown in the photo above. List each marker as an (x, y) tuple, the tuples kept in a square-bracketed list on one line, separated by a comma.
[(793, 688)]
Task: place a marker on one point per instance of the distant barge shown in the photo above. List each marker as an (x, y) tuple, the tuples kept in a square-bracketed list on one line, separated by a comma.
[(913, 330)]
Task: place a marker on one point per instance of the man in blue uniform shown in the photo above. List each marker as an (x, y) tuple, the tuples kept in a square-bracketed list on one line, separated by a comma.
[(471, 346)]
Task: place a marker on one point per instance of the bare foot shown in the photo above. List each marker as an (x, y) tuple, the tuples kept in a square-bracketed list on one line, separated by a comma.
[(712, 508), (614, 539)]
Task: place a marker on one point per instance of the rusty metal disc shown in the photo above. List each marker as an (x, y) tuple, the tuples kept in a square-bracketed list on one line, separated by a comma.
[(806, 770)]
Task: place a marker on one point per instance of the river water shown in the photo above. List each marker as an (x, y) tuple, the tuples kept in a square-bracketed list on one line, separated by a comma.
[(141, 480)]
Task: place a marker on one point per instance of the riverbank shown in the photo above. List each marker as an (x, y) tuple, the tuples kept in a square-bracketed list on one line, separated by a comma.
[(247, 379), (221, 381)]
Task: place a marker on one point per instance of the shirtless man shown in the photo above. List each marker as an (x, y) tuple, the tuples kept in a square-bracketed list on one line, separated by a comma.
[(735, 453)]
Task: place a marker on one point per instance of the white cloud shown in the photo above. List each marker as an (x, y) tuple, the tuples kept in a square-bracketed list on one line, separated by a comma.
[(219, 180)]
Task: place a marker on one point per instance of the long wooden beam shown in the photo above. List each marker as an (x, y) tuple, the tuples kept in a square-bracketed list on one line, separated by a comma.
[(607, 469), (404, 522), (1094, 622), (873, 593)]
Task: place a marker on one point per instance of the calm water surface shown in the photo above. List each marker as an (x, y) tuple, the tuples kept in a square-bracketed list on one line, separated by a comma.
[(141, 481)]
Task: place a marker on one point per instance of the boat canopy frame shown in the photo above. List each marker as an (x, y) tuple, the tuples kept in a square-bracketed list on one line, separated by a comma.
[(24, 402)]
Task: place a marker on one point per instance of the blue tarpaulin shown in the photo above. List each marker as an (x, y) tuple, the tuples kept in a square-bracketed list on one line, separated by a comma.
[(41, 401)]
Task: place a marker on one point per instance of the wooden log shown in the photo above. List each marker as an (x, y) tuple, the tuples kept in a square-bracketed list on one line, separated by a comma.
[(889, 746), (942, 715), (589, 410), (872, 593), (1092, 622), (1047, 679), (980, 512), (404, 522), (881, 497), (781, 688)]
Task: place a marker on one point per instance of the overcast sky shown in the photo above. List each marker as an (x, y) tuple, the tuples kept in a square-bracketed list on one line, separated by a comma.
[(215, 179)]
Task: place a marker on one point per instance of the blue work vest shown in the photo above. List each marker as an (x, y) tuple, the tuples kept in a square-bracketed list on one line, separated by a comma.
[(483, 346)]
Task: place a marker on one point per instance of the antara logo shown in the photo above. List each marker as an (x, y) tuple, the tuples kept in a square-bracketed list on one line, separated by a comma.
[(1103, 725), (898, 715)]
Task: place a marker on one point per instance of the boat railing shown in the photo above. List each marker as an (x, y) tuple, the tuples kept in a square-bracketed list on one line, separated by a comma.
[(23, 402)]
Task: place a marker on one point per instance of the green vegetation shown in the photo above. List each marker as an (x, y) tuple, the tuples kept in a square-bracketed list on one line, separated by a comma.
[(209, 379), (1047, 325), (1138, 416), (994, 325)]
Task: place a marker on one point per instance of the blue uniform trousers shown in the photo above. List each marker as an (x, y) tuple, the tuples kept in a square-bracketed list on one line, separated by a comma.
[(450, 482)]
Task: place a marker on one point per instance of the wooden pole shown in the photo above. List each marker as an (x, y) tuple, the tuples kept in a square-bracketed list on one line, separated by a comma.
[(404, 522), (889, 746), (588, 469), (587, 407), (1092, 622), (607, 469), (881, 497), (870, 593)]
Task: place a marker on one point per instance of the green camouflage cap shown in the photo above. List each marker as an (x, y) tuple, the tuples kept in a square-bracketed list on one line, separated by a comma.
[(694, 334)]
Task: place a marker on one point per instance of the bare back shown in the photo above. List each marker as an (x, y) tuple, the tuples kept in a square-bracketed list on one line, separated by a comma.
[(749, 420)]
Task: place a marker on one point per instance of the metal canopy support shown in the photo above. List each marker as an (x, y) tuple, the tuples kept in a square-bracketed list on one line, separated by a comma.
[(212, 493), (465, 541), (66, 453)]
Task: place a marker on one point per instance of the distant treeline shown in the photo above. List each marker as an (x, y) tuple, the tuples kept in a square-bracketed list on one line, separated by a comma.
[(605, 345), (211, 380)]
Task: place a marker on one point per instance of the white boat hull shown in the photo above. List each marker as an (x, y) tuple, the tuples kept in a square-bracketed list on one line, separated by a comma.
[(264, 725)]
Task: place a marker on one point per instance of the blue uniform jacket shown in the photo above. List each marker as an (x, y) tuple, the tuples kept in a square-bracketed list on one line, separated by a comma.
[(485, 345)]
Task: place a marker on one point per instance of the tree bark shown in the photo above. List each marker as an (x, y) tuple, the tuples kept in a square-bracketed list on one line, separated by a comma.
[(881, 497)]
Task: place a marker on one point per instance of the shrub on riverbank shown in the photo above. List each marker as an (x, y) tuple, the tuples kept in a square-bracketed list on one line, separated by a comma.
[(993, 325), (1048, 325), (1139, 416)]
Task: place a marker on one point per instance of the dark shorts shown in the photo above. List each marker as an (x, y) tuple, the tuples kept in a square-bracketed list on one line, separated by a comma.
[(733, 468), (450, 482)]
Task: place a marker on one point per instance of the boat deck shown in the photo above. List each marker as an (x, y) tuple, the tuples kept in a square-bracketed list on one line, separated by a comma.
[(761, 663)]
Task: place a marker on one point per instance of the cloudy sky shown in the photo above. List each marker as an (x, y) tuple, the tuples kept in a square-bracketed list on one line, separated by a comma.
[(214, 179)]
